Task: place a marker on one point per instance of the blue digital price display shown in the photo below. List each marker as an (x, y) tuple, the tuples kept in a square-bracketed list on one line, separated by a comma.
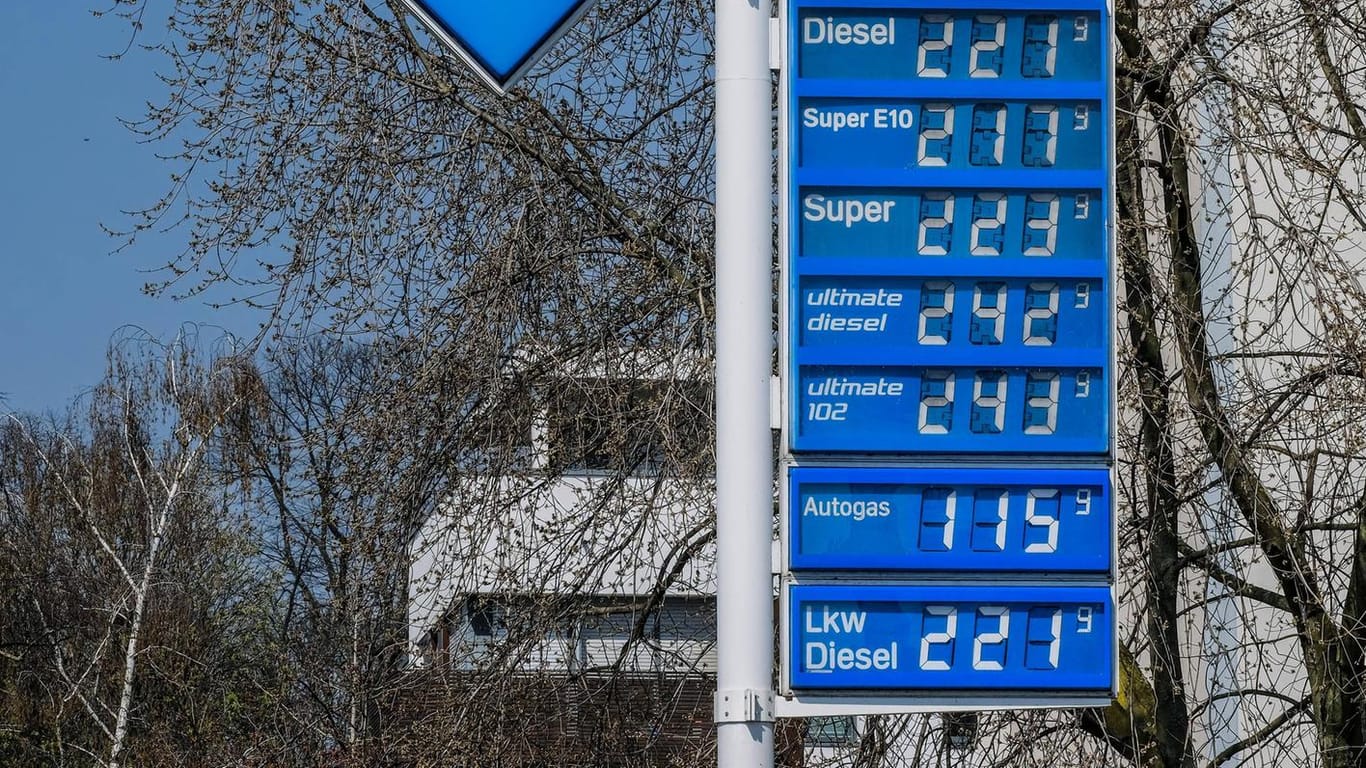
[(950, 520), (997, 314), (948, 134), (951, 638), (948, 272), (1032, 231), (1004, 409), (1024, 41), (949, 386)]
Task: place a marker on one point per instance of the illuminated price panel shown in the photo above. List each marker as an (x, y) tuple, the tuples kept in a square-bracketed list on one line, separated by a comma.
[(1027, 42), (947, 510), (950, 520), (1004, 408), (985, 230), (946, 134), (958, 637), (948, 269)]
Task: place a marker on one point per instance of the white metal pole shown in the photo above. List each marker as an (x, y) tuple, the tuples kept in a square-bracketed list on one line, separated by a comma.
[(744, 448)]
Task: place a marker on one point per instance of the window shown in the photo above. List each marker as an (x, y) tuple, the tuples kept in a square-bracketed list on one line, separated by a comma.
[(484, 629), (679, 637), (597, 635), (830, 731), (605, 637), (685, 632)]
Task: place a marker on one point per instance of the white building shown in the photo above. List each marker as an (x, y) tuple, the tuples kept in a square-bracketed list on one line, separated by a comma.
[(584, 560)]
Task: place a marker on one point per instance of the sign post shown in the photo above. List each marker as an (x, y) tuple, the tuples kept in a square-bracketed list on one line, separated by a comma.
[(744, 711), (948, 355)]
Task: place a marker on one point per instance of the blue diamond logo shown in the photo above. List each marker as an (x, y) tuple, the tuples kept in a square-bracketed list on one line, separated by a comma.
[(500, 40)]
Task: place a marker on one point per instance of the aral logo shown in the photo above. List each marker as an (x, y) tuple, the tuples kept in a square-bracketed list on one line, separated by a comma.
[(499, 40)]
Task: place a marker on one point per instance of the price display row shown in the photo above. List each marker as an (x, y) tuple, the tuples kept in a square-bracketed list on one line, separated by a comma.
[(990, 225), (950, 637), (909, 44), (896, 315), (997, 410), (881, 133), (950, 520)]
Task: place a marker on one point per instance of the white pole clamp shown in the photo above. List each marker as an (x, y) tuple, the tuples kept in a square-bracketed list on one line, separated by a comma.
[(744, 705)]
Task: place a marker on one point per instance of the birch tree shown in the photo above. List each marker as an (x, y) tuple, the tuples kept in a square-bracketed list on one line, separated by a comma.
[(336, 168), (100, 514)]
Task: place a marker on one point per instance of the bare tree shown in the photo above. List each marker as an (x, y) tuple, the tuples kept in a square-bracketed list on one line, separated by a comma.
[(310, 458), (100, 514), (481, 248), (1242, 261), (487, 246)]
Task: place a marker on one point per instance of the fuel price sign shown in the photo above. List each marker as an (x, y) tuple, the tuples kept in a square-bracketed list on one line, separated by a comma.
[(950, 521), (948, 246), (948, 379), (951, 638)]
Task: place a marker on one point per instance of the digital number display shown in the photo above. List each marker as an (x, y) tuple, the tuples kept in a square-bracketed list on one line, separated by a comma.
[(911, 223), (986, 314), (949, 207), (948, 315), (951, 637), (948, 45), (1006, 134), (1006, 409), (950, 520)]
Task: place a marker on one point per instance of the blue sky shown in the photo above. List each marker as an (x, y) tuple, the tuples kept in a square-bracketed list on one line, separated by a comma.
[(66, 167)]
